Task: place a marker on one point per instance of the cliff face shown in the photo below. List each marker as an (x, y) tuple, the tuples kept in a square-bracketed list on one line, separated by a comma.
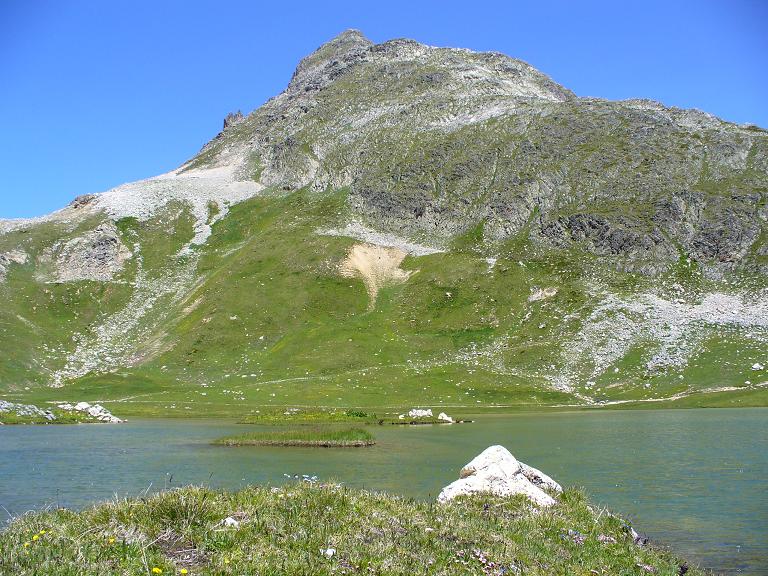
[(410, 213)]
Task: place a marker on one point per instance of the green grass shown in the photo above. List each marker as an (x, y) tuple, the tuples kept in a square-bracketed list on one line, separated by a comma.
[(302, 416), (295, 416), (320, 437), (62, 417), (285, 531), (271, 324)]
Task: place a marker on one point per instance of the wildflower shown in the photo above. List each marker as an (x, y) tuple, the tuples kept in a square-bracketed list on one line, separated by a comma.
[(26, 544), (606, 539), (36, 537), (42, 532), (226, 560), (156, 570), (183, 571), (111, 540)]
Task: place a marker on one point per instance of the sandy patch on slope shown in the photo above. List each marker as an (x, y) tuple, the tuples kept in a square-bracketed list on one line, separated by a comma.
[(377, 266)]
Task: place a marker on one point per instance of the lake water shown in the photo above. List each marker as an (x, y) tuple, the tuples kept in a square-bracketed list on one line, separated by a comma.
[(696, 480)]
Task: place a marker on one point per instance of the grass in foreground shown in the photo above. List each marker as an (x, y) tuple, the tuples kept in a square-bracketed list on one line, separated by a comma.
[(311, 437), (313, 530)]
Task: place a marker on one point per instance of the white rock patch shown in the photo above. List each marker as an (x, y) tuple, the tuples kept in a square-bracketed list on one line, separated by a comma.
[(542, 294), (96, 255), (497, 472), (8, 258), (673, 325), (96, 411), (360, 232), (196, 188)]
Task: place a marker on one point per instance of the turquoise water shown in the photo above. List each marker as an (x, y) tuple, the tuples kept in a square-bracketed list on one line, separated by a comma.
[(696, 480)]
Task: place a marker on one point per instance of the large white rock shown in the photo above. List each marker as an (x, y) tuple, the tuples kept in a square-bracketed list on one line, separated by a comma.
[(538, 478), (419, 413), (96, 411), (497, 472), (443, 417)]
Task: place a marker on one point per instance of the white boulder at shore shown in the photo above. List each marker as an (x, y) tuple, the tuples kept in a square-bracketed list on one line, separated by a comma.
[(96, 411), (497, 472)]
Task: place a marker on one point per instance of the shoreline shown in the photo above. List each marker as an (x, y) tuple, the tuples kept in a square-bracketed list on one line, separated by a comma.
[(473, 411)]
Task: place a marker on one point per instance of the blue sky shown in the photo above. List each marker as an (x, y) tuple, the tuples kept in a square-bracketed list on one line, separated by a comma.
[(94, 93)]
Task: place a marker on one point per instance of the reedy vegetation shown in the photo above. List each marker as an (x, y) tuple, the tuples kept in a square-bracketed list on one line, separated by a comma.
[(321, 437)]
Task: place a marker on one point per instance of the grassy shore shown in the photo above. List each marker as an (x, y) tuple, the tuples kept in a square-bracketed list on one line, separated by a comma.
[(312, 530), (313, 437), (309, 416), (292, 416), (62, 417)]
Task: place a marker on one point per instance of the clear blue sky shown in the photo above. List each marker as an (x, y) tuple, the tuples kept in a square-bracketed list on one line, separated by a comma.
[(97, 93)]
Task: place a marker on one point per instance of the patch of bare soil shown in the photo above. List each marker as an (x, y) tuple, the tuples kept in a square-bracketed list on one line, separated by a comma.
[(377, 266)]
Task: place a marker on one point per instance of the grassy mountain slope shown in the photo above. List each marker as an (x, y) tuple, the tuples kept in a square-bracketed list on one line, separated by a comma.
[(516, 247)]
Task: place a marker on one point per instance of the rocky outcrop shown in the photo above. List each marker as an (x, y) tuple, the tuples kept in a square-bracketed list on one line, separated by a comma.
[(329, 62), (96, 255), (233, 118), (497, 472), (8, 258), (95, 411), (25, 410), (83, 200)]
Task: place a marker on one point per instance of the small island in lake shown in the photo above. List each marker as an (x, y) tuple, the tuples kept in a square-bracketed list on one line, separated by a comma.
[(304, 436)]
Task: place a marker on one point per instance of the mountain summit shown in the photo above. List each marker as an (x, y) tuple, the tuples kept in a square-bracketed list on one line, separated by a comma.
[(408, 224)]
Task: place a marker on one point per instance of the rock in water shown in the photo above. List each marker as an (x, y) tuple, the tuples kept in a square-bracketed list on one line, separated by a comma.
[(497, 472)]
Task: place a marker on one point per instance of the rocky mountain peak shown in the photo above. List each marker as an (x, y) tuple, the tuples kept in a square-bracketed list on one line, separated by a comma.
[(345, 47)]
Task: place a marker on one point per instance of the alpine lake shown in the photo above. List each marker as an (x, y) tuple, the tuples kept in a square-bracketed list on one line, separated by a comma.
[(694, 480)]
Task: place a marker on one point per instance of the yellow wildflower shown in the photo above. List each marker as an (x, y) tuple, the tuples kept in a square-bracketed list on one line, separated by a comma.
[(36, 537), (42, 532), (183, 571), (226, 560), (26, 544), (156, 570), (111, 540)]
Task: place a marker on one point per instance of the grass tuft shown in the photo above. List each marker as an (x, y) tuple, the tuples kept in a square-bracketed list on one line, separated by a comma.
[(304, 436)]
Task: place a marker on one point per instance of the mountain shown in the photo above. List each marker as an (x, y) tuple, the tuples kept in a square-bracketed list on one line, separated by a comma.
[(408, 225)]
